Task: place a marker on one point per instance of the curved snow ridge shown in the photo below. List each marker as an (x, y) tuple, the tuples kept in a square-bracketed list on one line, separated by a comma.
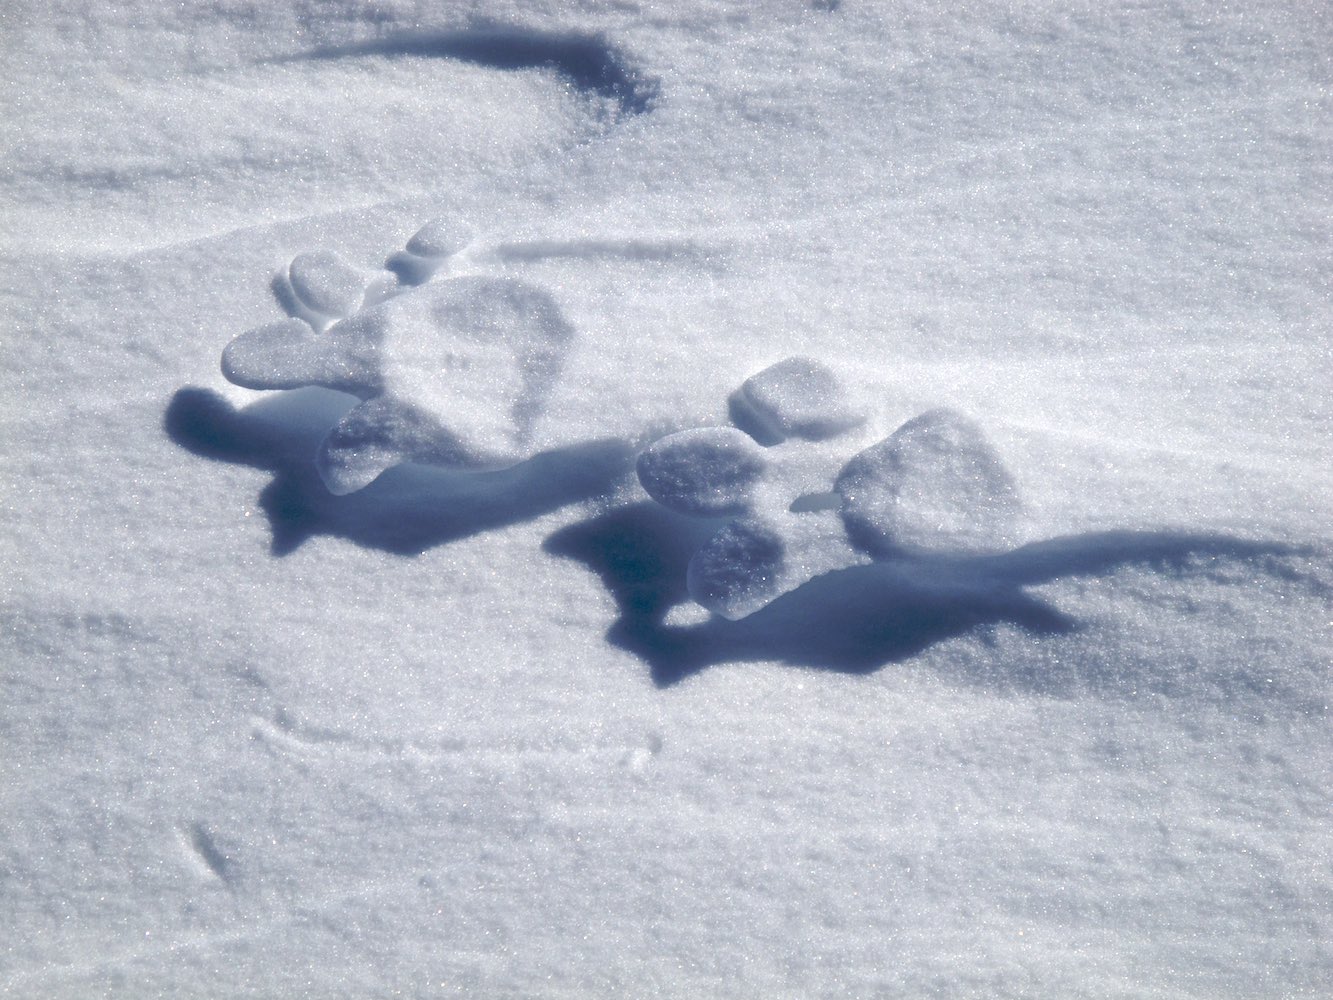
[(588, 61), (152, 163)]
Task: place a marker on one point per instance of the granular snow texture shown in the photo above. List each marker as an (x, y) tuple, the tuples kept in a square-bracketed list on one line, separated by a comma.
[(463, 732)]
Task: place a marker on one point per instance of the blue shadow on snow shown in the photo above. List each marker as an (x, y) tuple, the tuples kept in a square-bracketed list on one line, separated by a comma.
[(854, 620), (589, 62), (406, 510)]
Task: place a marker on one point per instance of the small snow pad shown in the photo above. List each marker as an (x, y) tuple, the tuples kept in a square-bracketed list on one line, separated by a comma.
[(709, 472), (775, 543), (326, 284), (739, 570)]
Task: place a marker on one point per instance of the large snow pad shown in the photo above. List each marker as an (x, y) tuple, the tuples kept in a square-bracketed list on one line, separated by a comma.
[(934, 485)]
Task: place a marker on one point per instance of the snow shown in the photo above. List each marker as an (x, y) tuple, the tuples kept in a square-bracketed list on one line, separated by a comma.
[(325, 287), (933, 486), (463, 732), (707, 471)]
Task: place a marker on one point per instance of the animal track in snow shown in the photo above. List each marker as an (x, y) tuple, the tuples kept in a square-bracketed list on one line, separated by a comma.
[(934, 485), (452, 372)]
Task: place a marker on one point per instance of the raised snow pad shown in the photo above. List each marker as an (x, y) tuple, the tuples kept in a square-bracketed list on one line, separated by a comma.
[(439, 238), (800, 397), (709, 472), (326, 284)]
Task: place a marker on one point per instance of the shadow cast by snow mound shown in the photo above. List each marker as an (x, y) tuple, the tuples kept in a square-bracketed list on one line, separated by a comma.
[(587, 61), (406, 510), (854, 620)]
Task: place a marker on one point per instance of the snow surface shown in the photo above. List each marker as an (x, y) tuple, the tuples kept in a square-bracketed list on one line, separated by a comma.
[(460, 733)]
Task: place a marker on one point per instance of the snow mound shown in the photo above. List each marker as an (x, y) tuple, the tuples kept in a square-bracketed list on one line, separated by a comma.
[(453, 372), (429, 250), (708, 472), (327, 284)]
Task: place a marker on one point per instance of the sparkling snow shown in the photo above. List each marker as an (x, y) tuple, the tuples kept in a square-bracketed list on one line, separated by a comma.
[(464, 733)]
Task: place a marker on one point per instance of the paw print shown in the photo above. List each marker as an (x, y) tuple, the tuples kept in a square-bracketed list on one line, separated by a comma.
[(933, 486), (453, 371)]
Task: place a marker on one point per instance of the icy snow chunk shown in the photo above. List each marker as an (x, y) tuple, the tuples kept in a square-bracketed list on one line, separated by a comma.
[(709, 472), (454, 372), (326, 284), (934, 485), (801, 397)]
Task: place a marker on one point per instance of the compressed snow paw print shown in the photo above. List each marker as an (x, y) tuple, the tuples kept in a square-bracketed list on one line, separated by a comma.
[(453, 371), (933, 486)]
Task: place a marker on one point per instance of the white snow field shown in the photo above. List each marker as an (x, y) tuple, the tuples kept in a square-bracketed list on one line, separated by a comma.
[(462, 731)]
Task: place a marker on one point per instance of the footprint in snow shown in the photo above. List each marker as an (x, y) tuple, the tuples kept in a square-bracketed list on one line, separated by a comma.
[(933, 486), (453, 371)]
